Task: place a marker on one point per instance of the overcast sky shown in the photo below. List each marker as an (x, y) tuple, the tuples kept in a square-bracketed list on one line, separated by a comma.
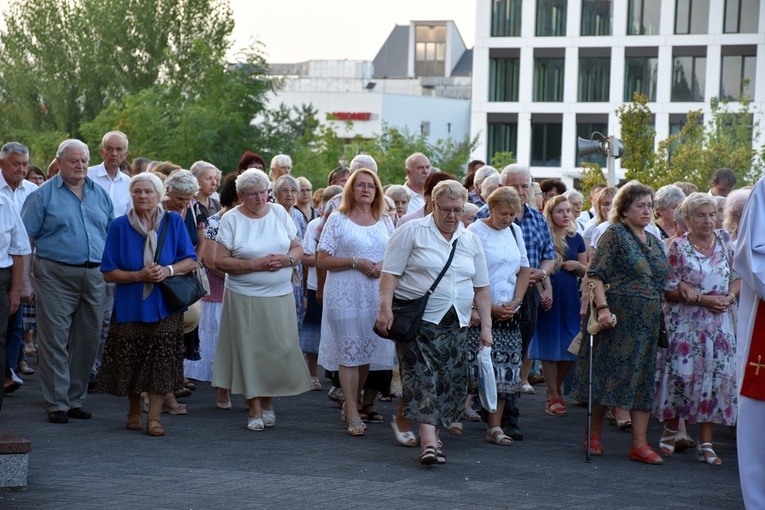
[(299, 30)]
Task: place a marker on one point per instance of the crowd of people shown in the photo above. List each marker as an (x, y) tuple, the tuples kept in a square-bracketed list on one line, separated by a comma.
[(297, 279)]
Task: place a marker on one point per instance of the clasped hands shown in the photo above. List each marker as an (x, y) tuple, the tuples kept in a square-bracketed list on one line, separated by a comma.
[(369, 268), (153, 273), (713, 302)]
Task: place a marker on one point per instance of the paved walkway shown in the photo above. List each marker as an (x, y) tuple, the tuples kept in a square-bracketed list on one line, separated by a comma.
[(209, 460)]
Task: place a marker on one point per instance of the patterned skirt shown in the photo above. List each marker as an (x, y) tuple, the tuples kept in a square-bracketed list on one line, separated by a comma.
[(505, 356), (434, 372), (143, 357)]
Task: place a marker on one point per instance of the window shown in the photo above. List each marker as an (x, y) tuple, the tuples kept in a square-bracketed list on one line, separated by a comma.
[(586, 125), (548, 78), (551, 18), (688, 73), (640, 70), (739, 65), (594, 75), (546, 134), (430, 50), (506, 18), (503, 79), (741, 16), (596, 17), (643, 17), (691, 16), (503, 135)]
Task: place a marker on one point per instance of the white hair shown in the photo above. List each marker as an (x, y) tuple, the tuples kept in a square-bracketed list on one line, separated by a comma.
[(118, 133), (363, 161), (252, 178), (285, 181), (13, 148), (489, 184), (572, 193), (666, 196), (514, 169), (198, 168), (153, 179), (182, 182), (72, 143), (482, 173)]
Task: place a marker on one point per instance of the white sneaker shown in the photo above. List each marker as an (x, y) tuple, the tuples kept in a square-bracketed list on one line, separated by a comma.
[(16, 378)]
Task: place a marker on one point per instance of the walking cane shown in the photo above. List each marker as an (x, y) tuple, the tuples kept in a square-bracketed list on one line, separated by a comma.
[(588, 457)]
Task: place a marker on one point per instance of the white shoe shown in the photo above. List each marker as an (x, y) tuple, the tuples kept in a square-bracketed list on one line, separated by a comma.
[(527, 388), (16, 378), (336, 393), (255, 424), (269, 417)]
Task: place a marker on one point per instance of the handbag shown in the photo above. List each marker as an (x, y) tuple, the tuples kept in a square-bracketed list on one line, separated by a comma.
[(524, 315), (179, 291), (487, 382), (407, 313)]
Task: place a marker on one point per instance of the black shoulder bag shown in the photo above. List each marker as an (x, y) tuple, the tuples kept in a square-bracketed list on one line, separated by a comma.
[(524, 315), (407, 313), (179, 291)]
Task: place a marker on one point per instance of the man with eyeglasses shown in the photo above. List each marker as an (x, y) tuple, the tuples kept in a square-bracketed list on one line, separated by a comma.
[(114, 151)]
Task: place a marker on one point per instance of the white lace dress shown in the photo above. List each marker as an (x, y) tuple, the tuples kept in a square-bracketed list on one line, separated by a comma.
[(351, 299)]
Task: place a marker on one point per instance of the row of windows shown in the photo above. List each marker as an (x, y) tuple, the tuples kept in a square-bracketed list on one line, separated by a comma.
[(643, 17), (737, 76), (546, 139)]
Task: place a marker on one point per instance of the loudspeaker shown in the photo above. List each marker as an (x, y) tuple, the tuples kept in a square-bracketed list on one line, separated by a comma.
[(585, 147)]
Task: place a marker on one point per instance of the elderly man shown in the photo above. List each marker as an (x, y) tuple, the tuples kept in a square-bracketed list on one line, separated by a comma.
[(107, 174), (67, 219), (417, 170)]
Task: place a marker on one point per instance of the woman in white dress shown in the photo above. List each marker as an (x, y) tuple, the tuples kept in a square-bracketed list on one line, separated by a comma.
[(351, 250)]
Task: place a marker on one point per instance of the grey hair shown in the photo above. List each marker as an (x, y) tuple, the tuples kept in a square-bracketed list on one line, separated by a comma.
[(450, 190), (489, 185), (573, 193), (252, 178), (153, 179), (198, 168), (284, 181), (666, 196), (281, 160), (303, 181), (408, 163), (13, 148), (734, 207), (679, 219), (182, 182), (118, 133), (696, 200), (398, 192), (471, 208), (482, 173), (72, 143), (515, 168), (363, 161)]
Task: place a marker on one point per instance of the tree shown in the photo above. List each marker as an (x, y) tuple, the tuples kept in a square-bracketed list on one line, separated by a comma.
[(501, 159), (638, 136), (592, 175)]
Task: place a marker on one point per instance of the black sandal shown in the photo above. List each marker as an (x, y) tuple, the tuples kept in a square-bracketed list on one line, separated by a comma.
[(372, 415), (428, 456), (440, 456)]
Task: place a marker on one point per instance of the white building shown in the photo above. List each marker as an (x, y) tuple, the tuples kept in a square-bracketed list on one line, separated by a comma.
[(547, 71), (419, 80)]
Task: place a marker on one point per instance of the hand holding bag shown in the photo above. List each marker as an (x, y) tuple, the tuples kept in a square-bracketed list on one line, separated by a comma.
[(179, 291), (487, 383), (407, 313)]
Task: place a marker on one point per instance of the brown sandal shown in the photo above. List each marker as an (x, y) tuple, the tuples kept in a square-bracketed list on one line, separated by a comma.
[(155, 428), (134, 422)]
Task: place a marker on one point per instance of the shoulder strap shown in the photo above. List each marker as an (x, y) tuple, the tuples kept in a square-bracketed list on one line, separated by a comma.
[(162, 235), (512, 230), (446, 267)]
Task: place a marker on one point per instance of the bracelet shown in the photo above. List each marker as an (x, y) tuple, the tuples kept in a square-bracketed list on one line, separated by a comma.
[(604, 306), (172, 271), (578, 266), (292, 260), (355, 262)]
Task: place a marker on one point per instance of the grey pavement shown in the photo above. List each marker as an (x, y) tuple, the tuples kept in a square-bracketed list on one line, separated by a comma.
[(208, 460)]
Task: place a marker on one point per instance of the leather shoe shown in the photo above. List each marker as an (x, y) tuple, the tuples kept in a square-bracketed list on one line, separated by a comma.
[(9, 386), (514, 433), (58, 417), (79, 414)]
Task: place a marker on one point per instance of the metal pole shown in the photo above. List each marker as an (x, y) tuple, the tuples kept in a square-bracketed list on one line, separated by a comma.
[(587, 457), (611, 161)]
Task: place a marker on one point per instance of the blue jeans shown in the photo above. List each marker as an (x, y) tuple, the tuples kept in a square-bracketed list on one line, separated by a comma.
[(13, 342)]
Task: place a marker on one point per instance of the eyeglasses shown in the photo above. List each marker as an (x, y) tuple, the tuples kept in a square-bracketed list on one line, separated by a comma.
[(455, 211), (250, 194), (361, 186)]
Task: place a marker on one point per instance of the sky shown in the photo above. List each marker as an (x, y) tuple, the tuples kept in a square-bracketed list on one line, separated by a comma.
[(300, 30)]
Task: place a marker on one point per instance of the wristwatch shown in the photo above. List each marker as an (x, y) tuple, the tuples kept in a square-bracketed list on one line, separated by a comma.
[(292, 260)]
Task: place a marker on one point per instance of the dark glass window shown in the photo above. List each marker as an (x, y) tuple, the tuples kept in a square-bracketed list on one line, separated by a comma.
[(688, 78), (691, 16), (546, 143), (594, 78), (585, 130), (737, 77), (643, 17), (551, 18), (640, 76), (548, 78), (502, 138), (506, 18), (741, 16), (597, 16), (503, 79)]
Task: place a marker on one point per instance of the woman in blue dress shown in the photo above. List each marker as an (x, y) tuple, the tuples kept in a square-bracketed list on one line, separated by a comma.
[(559, 324)]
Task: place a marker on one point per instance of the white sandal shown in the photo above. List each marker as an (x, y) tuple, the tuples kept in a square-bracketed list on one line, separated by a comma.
[(406, 438), (497, 436), (664, 443), (269, 417), (707, 448), (255, 424)]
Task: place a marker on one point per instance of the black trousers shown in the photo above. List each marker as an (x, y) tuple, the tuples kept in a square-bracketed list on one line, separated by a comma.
[(5, 308)]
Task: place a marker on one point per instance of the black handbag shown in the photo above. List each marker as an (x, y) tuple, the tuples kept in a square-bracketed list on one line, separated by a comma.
[(179, 291), (407, 313)]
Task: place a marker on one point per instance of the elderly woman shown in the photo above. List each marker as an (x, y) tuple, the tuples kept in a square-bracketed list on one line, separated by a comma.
[(250, 160), (400, 197), (734, 208), (144, 348), (576, 201), (720, 203), (696, 376), (208, 177), (351, 250), (339, 176), (434, 366), (304, 202), (602, 206), (508, 266), (667, 199), (560, 323), (286, 192), (632, 263), (257, 247)]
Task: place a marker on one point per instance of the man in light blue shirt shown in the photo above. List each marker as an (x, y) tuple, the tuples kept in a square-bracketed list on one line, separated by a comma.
[(67, 220)]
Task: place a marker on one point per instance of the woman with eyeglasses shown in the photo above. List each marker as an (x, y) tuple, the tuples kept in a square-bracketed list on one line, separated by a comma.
[(351, 249)]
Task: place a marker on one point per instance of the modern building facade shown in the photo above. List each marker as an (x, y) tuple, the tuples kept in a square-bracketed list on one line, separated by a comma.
[(547, 71)]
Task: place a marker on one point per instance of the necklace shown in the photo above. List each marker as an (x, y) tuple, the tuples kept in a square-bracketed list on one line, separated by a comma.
[(701, 248)]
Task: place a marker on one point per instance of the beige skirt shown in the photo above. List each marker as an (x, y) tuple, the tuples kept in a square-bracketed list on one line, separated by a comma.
[(258, 352)]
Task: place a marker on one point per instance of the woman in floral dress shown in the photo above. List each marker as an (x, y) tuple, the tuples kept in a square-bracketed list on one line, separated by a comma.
[(696, 376)]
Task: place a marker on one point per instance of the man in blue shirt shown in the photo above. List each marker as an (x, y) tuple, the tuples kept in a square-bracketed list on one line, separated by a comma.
[(67, 219)]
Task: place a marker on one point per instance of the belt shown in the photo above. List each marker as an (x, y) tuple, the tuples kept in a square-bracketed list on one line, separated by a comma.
[(88, 265)]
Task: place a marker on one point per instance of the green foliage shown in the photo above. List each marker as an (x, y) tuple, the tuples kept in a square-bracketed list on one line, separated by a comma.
[(592, 175), (501, 159), (638, 136)]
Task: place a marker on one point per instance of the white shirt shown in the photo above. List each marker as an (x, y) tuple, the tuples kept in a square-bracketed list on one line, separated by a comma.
[(309, 248), (253, 238), (417, 252), (416, 201), (13, 235), (117, 188), (23, 190), (504, 258)]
